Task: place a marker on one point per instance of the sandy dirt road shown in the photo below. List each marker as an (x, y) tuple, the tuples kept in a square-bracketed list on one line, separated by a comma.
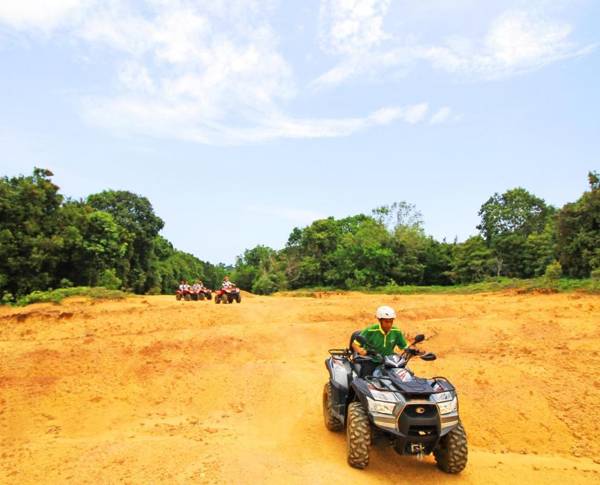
[(151, 390)]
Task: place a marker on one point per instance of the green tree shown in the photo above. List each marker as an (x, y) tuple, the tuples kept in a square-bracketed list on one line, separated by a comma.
[(362, 256), (473, 261), (507, 221), (136, 216), (259, 270), (578, 232), (29, 246), (398, 214), (409, 245), (516, 211)]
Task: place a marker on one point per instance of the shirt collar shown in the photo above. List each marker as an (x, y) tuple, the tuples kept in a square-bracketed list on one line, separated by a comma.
[(381, 329)]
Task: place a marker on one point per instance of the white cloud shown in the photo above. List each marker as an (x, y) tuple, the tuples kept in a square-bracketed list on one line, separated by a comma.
[(517, 41), (45, 15), (441, 116), (350, 26), (185, 121), (210, 73), (196, 75)]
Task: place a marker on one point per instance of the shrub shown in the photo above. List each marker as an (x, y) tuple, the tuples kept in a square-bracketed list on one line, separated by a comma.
[(264, 285), (56, 296), (109, 279), (595, 274), (553, 271)]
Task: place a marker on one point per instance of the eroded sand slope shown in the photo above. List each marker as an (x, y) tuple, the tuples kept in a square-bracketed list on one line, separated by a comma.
[(151, 390)]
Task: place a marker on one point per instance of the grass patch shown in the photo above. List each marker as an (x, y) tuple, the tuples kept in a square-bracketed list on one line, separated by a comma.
[(56, 296), (534, 285)]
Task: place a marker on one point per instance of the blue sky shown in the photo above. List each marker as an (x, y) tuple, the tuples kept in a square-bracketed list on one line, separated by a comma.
[(242, 119)]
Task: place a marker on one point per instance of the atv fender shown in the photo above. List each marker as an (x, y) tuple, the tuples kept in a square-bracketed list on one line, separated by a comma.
[(339, 376), (361, 390), (339, 372)]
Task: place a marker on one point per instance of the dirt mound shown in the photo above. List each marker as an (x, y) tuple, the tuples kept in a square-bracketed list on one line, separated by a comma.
[(152, 390)]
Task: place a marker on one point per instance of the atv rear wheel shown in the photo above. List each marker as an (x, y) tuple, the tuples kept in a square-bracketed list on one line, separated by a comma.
[(451, 453), (187, 297), (200, 296), (331, 422), (358, 435), (238, 298)]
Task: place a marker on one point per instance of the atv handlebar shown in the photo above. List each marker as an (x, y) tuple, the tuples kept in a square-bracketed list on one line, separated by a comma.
[(407, 354)]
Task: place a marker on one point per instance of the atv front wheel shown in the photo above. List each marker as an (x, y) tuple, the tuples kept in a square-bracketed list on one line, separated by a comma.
[(238, 298), (331, 422), (358, 436), (451, 453)]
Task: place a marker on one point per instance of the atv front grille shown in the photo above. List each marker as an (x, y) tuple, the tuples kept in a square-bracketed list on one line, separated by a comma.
[(420, 411), (419, 423)]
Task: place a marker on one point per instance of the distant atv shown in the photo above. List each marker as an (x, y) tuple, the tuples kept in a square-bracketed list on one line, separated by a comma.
[(201, 294), (419, 416), (228, 295), (183, 295)]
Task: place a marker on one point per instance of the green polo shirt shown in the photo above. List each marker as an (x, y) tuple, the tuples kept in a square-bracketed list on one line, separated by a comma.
[(383, 343)]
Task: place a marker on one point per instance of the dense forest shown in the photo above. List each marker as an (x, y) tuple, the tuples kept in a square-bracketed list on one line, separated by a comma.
[(112, 239)]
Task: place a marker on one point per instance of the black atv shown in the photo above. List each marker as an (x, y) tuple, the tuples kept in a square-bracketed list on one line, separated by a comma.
[(380, 396)]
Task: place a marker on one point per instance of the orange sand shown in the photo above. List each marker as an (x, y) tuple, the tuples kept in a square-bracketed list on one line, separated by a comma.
[(151, 390)]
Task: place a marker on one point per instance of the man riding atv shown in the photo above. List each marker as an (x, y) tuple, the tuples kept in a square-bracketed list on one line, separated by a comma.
[(184, 291), (228, 293), (372, 393), (382, 338), (203, 291)]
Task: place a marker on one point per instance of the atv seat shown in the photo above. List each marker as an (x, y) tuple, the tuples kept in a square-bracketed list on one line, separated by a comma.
[(364, 368), (355, 334)]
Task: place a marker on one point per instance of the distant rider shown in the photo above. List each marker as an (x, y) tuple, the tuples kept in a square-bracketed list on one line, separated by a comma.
[(183, 286), (227, 285)]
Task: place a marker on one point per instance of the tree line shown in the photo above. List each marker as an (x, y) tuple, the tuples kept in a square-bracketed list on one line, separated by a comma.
[(519, 236), (112, 239)]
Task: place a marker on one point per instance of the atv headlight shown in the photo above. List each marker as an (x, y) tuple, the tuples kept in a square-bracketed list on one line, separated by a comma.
[(442, 396), (383, 396), (381, 407), (448, 406)]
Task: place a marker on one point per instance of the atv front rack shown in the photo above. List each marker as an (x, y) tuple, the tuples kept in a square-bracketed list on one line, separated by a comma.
[(337, 353)]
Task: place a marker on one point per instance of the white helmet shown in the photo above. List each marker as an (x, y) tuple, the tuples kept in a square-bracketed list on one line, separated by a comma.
[(385, 312)]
